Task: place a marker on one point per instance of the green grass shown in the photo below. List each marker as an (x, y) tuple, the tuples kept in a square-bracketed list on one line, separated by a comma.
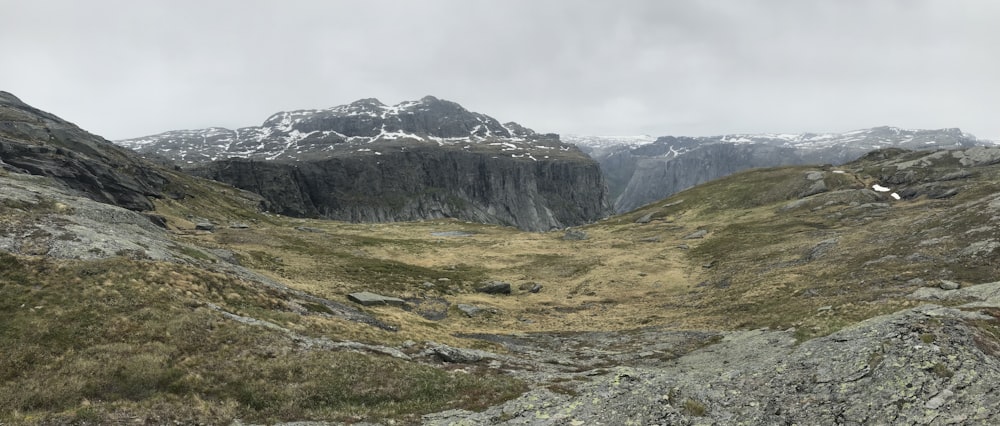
[(86, 341)]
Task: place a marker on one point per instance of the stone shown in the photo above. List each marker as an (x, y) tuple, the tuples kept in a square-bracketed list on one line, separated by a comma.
[(949, 285), (239, 225), (365, 298), (701, 233), (470, 311), (575, 235), (455, 355), (309, 229), (814, 175), (494, 287), (204, 226), (938, 400), (530, 287), (645, 218), (820, 249)]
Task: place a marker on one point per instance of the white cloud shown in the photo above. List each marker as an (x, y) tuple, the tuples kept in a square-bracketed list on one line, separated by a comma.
[(122, 68)]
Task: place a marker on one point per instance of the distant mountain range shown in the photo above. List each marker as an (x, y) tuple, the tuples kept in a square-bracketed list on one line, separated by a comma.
[(639, 172), (424, 159)]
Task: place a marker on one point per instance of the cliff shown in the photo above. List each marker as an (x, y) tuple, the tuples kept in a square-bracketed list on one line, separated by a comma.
[(425, 182)]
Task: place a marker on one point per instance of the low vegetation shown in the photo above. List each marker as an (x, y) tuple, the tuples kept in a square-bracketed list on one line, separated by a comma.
[(120, 339)]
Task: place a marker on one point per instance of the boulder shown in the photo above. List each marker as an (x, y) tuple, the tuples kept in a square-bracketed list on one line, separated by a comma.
[(530, 287), (494, 287), (365, 298), (949, 285), (575, 235), (204, 226), (455, 355), (469, 310), (701, 233)]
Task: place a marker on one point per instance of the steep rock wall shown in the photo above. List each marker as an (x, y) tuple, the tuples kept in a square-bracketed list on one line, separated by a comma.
[(426, 183)]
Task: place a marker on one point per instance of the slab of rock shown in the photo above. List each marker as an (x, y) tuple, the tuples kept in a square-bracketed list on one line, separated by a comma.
[(494, 287), (469, 310), (204, 226), (949, 285), (456, 355), (309, 229), (645, 219), (701, 233), (239, 225), (371, 299), (530, 287), (574, 235)]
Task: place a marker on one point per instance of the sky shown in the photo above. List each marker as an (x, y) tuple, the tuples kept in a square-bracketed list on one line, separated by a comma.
[(126, 68)]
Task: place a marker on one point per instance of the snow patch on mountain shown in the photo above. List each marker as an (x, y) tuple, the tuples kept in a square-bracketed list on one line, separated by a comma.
[(295, 135)]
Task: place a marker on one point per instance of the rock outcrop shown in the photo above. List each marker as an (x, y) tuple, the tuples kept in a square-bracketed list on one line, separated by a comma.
[(39, 143), (927, 365), (368, 162)]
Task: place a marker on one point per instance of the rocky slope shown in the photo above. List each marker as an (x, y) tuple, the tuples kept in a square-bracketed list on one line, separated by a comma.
[(40, 143), (639, 173), (371, 162)]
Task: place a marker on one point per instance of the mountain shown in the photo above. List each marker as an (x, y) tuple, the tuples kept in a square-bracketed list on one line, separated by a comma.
[(639, 174), (40, 143), (863, 293), (370, 162)]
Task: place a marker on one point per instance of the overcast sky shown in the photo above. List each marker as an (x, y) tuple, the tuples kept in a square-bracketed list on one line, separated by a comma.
[(131, 68)]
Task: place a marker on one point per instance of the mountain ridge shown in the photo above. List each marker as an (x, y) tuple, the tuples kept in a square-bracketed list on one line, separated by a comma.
[(295, 135), (370, 162), (641, 173)]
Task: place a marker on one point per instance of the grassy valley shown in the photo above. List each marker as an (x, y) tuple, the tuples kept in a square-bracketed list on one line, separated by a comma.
[(249, 320)]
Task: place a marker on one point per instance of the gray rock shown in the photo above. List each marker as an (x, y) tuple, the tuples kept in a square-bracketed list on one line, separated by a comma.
[(817, 187), (949, 285), (239, 225), (820, 249), (530, 287), (470, 311), (456, 355), (494, 287), (646, 218), (204, 226), (879, 371), (36, 142), (938, 400), (309, 229), (815, 175), (701, 233), (574, 235), (371, 299)]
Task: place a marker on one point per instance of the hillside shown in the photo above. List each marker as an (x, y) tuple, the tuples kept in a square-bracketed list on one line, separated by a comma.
[(370, 162), (783, 295), (639, 172)]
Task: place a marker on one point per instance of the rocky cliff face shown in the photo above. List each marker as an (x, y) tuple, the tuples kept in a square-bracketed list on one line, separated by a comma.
[(425, 182), (424, 159), (640, 173), (40, 143)]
